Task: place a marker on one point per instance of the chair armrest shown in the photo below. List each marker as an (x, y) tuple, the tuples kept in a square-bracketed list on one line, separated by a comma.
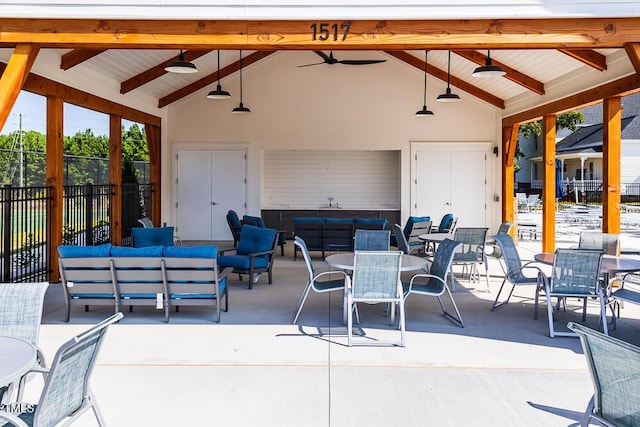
[(425, 275), (224, 251), (527, 266), (255, 254), (224, 273), (326, 273), (13, 419)]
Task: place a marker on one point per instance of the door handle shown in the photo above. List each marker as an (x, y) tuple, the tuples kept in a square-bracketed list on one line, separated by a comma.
[(213, 203)]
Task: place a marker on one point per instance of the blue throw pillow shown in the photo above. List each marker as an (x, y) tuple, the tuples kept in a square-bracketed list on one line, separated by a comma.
[(157, 236), (255, 239), (84, 251), (314, 220), (339, 220), (255, 219), (208, 251), (411, 221), (124, 251), (445, 223)]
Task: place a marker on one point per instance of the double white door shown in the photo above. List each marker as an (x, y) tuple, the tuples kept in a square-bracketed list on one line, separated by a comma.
[(209, 184), (451, 180)]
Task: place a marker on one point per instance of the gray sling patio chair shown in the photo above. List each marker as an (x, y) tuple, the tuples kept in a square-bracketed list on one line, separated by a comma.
[(403, 245), (494, 249), (515, 269), (436, 280), (614, 366), (20, 316), (575, 274), (376, 279), (328, 283), (471, 253), (66, 394), (371, 240), (606, 242)]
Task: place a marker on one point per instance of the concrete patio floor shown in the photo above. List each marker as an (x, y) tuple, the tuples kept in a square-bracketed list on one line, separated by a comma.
[(257, 369)]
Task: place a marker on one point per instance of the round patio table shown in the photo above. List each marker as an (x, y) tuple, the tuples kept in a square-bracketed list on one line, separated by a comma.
[(344, 261), (17, 356), (610, 264)]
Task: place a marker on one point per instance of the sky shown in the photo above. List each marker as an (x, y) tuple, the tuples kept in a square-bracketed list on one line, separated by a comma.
[(34, 117)]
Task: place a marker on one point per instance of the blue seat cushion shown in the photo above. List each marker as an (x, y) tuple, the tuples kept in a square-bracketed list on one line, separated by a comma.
[(124, 251), (156, 236), (205, 251), (339, 220), (241, 262), (79, 296), (68, 251), (255, 239), (313, 220), (256, 219)]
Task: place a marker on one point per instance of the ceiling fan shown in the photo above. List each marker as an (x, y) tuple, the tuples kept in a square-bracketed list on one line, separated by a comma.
[(329, 59)]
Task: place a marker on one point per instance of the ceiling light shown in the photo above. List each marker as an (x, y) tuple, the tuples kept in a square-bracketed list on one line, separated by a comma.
[(448, 96), (488, 69), (424, 112), (240, 109), (218, 93), (181, 66)]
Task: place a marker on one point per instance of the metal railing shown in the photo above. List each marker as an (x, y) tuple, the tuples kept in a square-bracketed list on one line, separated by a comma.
[(590, 190)]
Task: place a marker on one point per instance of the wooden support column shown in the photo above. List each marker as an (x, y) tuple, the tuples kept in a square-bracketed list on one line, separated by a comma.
[(509, 141), (611, 130), (55, 178), (115, 177), (153, 144), (549, 183), (14, 76)]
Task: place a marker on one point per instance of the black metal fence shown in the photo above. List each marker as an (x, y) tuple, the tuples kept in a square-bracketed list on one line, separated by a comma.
[(586, 191), (25, 231)]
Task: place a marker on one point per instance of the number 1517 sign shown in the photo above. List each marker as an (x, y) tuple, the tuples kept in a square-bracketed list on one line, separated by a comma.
[(325, 30)]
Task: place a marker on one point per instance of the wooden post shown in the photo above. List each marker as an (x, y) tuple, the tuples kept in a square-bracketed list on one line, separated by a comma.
[(153, 144), (55, 177), (115, 177), (549, 183), (611, 130)]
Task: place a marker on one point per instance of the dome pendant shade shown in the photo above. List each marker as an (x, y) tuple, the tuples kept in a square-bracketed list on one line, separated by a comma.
[(448, 96), (488, 69), (181, 66), (240, 109), (218, 93), (425, 112)]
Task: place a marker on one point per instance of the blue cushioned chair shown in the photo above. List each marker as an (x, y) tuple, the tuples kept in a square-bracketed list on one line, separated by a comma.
[(254, 253), (235, 226), (259, 222), (447, 224)]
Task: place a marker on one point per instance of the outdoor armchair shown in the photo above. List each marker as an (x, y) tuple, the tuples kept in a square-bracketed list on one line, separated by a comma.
[(253, 255), (434, 283), (318, 281), (376, 279), (259, 222), (494, 249), (614, 366), (66, 394), (471, 253)]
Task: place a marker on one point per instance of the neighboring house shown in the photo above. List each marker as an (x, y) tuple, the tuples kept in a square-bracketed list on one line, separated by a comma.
[(580, 152)]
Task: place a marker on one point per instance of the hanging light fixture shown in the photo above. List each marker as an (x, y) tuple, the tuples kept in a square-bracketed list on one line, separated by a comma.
[(218, 93), (448, 96), (425, 112), (488, 69), (241, 109), (181, 66)]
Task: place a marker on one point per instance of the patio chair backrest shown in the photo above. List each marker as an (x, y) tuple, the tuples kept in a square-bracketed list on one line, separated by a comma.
[(418, 228), (505, 227), (255, 239), (442, 259), (607, 242), (67, 386), (146, 222), (473, 242), (376, 276), (400, 239), (447, 223), (614, 366), (21, 310), (511, 257), (533, 200), (575, 272), (371, 240), (300, 243)]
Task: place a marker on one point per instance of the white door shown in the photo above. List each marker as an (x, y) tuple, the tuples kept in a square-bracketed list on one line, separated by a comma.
[(210, 183), (451, 181)]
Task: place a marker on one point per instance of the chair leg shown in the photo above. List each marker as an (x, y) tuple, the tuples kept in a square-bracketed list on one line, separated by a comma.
[(349, 322), (457, 319), (587, 414), (497, 304), (303, 298), (550, 316), (402, 325)]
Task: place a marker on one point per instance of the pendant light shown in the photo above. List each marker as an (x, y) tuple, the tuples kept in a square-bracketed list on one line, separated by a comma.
[(488, 69), (425, 112), (218, 93), (448, 96), (181, 66), (241, 109)]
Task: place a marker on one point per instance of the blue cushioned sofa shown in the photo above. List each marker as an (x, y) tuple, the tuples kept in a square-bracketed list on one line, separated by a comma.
[(332, 234), (160, 276)]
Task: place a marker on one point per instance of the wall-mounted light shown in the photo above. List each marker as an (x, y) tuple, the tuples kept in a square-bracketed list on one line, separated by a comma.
[(495, 151)]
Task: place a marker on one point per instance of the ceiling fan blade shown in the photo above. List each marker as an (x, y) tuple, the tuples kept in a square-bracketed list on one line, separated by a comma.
[(309, 65), (328, 59), (361, 61)]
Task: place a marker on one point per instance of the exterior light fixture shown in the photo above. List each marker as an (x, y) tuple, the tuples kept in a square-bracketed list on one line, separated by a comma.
[(218, 93), (488, 69), (448, 96), (181, 66), (241, 109), (425, 112)]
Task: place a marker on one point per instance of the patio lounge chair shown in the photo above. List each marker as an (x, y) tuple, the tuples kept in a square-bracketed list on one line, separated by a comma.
[(614, 366), (66, 394), (327, 284), (376, 279), (436, 280)]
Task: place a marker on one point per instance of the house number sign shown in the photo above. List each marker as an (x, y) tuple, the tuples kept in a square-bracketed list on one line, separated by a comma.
[(324, 30)]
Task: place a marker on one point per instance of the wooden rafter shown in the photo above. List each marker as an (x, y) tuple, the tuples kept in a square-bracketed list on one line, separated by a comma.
[(633, 52), (157, 71), (442, 75), (14, 76), (78, 56), (211, 78), (513, 75), (589, 33), (588, 56)]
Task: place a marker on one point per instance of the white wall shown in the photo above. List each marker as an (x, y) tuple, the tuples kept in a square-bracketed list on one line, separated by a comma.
[(336, 107)]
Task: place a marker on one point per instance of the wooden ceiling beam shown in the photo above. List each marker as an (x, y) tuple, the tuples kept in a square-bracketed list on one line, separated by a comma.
[(78, 56), (565, 33), (633, 51), (621, 87), (13, 77), (157, 71), (211, 78), (442, 75), (587, 56), (512, 74)]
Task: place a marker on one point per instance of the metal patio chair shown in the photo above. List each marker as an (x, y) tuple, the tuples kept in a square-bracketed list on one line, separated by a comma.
[(471, 253), (606, 242)]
